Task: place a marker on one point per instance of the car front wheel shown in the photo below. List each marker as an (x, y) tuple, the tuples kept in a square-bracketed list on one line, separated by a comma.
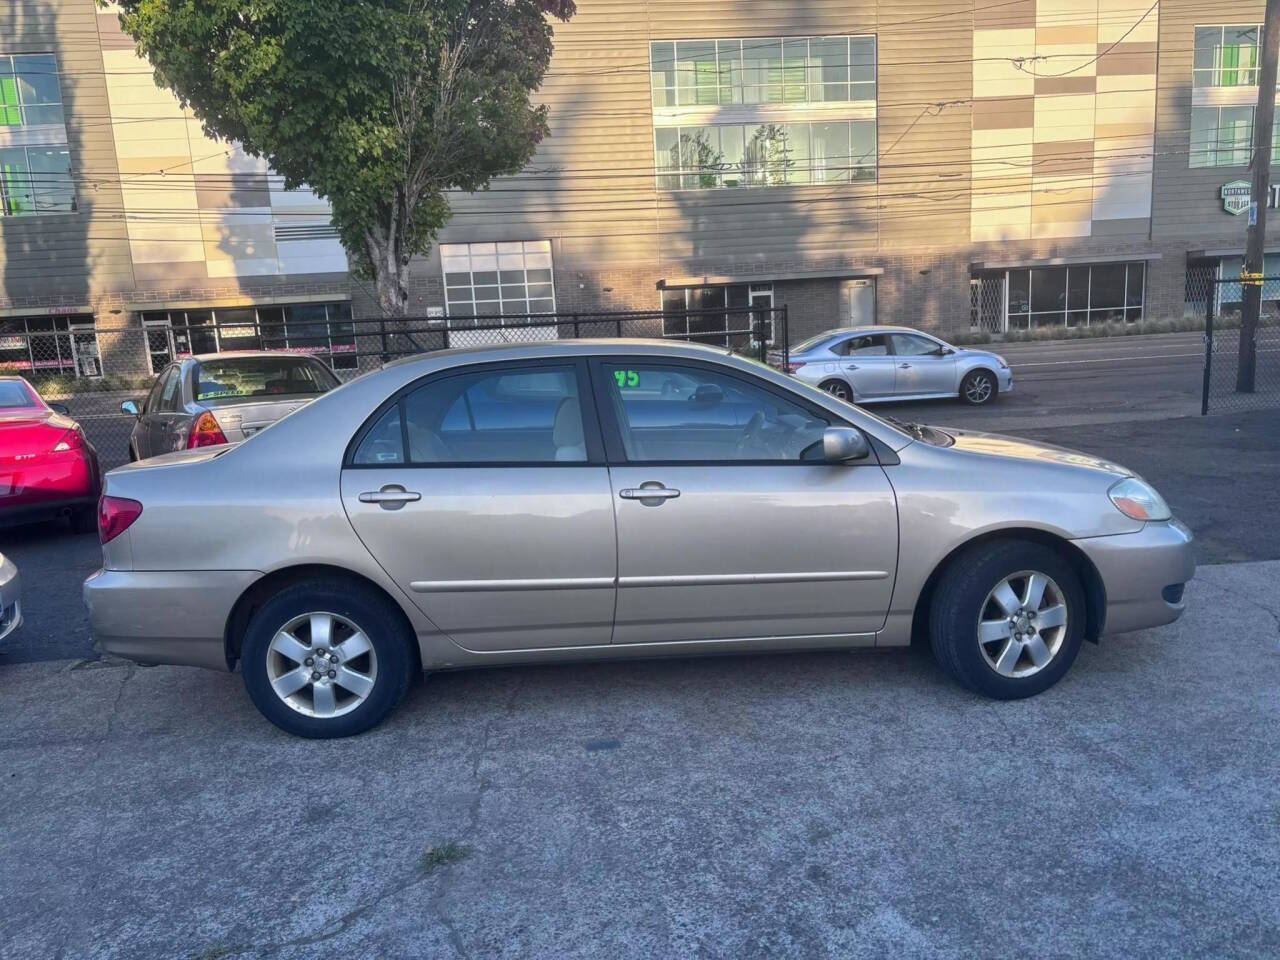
[(1007, 619), (979, 387), (326, 659)]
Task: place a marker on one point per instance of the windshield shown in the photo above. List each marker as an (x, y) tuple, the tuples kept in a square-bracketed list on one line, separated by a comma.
[(14, 394), (260, 377)]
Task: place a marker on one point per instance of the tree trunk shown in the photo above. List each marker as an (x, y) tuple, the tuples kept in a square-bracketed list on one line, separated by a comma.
[(385, 243)]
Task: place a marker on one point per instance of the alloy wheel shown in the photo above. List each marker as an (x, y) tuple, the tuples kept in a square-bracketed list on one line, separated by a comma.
[(321, 665), (838, 390), (1022, 624), (978, 389)]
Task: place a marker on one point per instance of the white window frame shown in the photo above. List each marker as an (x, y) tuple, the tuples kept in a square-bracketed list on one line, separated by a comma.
[(498, 257), (685, 118)]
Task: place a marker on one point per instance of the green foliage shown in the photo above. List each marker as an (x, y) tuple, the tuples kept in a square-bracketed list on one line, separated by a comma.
[(380, 106), (435, 857)]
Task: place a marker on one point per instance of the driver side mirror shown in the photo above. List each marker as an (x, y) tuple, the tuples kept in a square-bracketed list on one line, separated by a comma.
[(844, 444), (129, 407), (946, 351), (61, 408)]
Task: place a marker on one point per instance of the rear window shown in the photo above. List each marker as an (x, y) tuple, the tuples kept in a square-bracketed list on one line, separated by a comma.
[(14, 394), (812, 343), (261, 377)]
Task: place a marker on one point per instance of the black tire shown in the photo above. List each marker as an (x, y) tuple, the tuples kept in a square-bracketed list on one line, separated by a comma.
[(377, 619), (84, 520), (972, 387), (957, 605), (838, 389)]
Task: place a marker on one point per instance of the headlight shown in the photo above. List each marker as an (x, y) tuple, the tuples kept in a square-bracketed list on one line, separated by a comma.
[(1138, 500)]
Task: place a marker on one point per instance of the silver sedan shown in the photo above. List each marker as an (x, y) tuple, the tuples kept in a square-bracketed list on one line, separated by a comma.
[(217, 398), (873, 364), (613, 499), (10, 597)]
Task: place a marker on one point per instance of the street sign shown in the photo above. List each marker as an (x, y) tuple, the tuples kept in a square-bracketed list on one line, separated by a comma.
[(1236, 196)]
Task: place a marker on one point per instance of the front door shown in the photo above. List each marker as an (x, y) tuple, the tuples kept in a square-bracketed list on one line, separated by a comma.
[(484, 494), (868, 365), (923, 365), (730, 524)]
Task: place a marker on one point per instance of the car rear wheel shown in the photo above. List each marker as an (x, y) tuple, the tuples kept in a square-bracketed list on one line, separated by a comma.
[(838, 389), (1007, 619), (326, 659), (979, 387)]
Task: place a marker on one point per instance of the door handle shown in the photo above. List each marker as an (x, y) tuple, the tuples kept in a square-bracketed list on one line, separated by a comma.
[(390, 497), (851, 366), (904, 366), (651, 494)]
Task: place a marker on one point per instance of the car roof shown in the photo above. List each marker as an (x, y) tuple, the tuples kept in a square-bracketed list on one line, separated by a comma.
[(572, 347), (238, 354)]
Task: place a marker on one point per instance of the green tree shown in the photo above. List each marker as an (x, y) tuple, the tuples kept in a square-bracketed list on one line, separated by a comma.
[(379, 106)]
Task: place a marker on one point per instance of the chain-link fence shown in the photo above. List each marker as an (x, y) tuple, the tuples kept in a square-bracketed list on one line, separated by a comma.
[(92, 368), (1240, 372)]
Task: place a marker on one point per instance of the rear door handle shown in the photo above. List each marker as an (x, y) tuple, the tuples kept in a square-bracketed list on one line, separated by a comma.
[(904, 366), (390, 497), (650, 494)]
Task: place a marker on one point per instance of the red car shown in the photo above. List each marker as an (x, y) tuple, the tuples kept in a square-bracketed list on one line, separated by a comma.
[(47, 467)]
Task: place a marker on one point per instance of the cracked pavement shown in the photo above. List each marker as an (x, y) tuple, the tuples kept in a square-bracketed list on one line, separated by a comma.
[(835, 804)]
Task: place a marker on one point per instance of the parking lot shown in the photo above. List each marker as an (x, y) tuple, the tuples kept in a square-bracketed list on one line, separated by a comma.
[(843, 805)]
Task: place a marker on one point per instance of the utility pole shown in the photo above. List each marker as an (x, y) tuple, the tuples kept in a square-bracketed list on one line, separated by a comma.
[(1254, 259)]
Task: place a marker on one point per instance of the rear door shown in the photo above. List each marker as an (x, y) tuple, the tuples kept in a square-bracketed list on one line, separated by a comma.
[(923, 366), (484, 494), (867, 365), (166, 425), (730, 524)]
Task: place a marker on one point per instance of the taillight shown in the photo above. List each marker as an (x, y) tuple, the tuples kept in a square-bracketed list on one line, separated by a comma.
[(794, 365), (205, 432), (71, 440), (115, 515)]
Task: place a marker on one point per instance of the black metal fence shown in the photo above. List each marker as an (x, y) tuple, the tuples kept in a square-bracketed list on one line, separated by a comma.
[(1240, 373), (91, 370)]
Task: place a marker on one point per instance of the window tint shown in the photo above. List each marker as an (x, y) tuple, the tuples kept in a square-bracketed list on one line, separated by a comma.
[(680, 413), (261, 377), (908, 345), (872, 346), (15, 394), (384, 444), (171, 392), (513, 416)]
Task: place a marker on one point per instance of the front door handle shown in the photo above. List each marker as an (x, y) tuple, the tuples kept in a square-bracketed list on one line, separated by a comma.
[(904, 366), (391, 497), (650, 493)]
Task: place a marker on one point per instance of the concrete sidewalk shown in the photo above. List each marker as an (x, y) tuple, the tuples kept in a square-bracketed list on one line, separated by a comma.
[(842, 805)]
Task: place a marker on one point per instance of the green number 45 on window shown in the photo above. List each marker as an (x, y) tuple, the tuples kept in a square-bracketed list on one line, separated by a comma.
[(626, 378)]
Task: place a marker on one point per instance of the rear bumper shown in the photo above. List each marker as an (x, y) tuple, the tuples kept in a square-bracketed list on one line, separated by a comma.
[(10, 598), (43, 509), (176, 617), (1142, 574)]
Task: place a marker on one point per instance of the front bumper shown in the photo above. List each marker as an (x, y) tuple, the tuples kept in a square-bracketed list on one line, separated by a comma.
[(176, 617), (10, 598), (1142, 574)]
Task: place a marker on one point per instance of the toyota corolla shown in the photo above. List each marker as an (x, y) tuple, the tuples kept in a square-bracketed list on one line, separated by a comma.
[(613, 499)]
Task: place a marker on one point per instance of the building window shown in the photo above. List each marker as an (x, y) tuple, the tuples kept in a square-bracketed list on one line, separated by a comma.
[(762, 70), (1223, 136), (50, 346), (30, 94), (498, 279), (1075, 296), (36, 180), (322, 330), (771, 154), (718, 315), (1231, 292), (1227, 56), (763, 112)]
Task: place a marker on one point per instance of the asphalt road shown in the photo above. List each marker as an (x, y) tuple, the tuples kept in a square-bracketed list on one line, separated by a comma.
[(842, 805)]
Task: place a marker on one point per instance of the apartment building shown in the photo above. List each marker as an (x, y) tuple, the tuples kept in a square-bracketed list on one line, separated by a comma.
[(942, 164)]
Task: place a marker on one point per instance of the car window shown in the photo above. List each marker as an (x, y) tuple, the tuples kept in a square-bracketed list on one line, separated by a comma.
[(15, 395), (695, 414), (171, 392), (910, 345), (225, 377), (523, 416), (812, 343), (873, 345)]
